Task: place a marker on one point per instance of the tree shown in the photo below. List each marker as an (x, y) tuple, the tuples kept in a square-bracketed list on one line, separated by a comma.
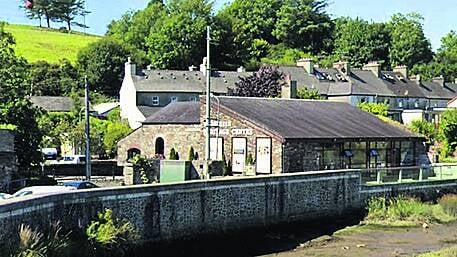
[(115, 131), (266, 82), (409, 46), (444, 62), (53, 79), (178, 39), (380, 109), (67, 10), (303, 24), (15, 108), (40, 9), (427, 129), (448, 132), (361, 41), (103, 63)]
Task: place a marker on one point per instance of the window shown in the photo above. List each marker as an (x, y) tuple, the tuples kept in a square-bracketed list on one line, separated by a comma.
[(155, 100), (193, 99), (173, 99), (132, 152), (160, 146)]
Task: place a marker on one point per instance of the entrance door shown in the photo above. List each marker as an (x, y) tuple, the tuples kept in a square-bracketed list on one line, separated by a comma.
[(263, 155), (238, 154), (217, 148)]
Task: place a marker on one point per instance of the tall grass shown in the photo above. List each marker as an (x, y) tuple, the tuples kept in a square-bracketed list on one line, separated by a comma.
[(448, 252), (403, 211), (449, 204)]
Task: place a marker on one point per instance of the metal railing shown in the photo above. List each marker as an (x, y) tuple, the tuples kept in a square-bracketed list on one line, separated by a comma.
[(436, 172)]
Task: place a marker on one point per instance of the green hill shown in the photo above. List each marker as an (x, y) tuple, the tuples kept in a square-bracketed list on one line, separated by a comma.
[(34, 43)]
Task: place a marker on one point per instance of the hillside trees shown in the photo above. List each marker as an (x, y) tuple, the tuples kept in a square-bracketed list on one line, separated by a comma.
[(65, 11), (48, 79)]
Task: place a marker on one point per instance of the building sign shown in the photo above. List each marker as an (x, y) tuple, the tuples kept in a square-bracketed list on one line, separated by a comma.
[(220, 132), (241, 132), (263, 150), (238, 154), (216, 148)]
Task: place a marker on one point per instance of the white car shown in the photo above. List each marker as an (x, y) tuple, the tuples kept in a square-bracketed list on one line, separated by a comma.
[(4, 196), (74, 159), (43, 190)]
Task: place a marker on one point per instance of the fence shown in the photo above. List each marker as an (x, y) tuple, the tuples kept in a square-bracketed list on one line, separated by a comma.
[(409, 174)]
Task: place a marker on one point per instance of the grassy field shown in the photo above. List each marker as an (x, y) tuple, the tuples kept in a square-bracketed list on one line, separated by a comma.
[(34, 43)]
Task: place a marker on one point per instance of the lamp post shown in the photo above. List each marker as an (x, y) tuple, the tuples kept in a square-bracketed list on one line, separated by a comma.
[(208, 105), (87, 130)]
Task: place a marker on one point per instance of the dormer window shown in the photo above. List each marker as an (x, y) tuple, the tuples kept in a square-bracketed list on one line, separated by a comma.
[(155, 101), (173, 99)]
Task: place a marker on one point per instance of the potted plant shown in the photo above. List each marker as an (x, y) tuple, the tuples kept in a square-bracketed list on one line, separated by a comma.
[(249, 168)]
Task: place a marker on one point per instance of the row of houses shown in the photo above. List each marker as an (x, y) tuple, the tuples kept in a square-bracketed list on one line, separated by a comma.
[(147, 91)]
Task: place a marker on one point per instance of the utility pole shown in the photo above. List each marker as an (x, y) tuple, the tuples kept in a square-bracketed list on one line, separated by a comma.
[(208, 103), (87, 130)]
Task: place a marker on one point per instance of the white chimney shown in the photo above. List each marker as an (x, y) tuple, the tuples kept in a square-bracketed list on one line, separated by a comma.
[(241, 69), (203, 66), (439, 80), (289, 88), (193, 68), (343, 67), (403, 70), (130, 68), (374, 67), (307, 64)]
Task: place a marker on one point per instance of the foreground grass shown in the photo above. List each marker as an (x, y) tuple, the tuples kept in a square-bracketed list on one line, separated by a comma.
[(35, 44), (448, 252)]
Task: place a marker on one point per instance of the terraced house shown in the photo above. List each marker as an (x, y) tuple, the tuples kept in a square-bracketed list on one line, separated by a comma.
[(408, 98)]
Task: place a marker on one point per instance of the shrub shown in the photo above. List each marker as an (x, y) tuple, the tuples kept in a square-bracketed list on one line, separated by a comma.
[(173, 154), (249, 159), (111, 237), (449, 204), (191, 154)]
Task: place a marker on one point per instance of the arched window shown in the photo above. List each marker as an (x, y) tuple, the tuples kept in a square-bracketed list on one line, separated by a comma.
[(132, 152), (160, 146)]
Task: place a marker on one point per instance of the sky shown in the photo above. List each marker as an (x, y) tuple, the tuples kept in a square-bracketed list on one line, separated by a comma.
[(440, 15)]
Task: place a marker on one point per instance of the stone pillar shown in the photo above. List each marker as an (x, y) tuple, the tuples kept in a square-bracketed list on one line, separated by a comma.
[(129, 173)]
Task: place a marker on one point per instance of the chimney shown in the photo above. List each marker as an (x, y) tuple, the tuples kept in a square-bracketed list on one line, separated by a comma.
[(203, 66), (403, 70), (289, 88), (374, 67), (241, 69), (439, 80), (307, 64), (130, 68), (192, 68), (342, 67), (149, 67), (455, 81)]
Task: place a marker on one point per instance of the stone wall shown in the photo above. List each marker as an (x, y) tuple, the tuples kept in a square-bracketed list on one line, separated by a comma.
[(7, 159), (176, 211)]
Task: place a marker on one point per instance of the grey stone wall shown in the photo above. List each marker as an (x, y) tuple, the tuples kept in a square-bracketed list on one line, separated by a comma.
[(174, 211)]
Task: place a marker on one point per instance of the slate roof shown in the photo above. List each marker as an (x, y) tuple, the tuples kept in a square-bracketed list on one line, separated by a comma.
[(307, 119), (55, 103), (148, 110), (176, 113), (363, 82), (185, 81)]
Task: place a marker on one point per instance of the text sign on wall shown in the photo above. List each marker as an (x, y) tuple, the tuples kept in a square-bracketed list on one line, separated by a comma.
[(241, 132), (238, 154), (263, 162)]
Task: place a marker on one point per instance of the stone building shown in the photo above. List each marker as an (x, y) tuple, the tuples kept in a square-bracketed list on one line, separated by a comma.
[(279, 135), (7, 159)]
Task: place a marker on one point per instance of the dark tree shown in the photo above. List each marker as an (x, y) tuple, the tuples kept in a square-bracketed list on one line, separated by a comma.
[(67, 10), (41, 9), (52, 79), (266, 82)]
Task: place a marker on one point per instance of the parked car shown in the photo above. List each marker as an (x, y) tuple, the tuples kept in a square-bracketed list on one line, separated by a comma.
[(49, 153), (42, 190), (4, 196), (73, 159), (80, 184)]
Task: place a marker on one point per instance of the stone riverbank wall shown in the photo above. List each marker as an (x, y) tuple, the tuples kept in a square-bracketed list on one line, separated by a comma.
[(174, 211)]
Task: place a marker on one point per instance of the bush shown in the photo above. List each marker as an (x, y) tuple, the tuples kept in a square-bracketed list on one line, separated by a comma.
[(173, 154), (191, 154), (449, 204), (111, 237)]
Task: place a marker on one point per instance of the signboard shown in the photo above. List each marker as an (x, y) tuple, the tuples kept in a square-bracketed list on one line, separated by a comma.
[(217, 148), (238, 154), (263, 155)]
